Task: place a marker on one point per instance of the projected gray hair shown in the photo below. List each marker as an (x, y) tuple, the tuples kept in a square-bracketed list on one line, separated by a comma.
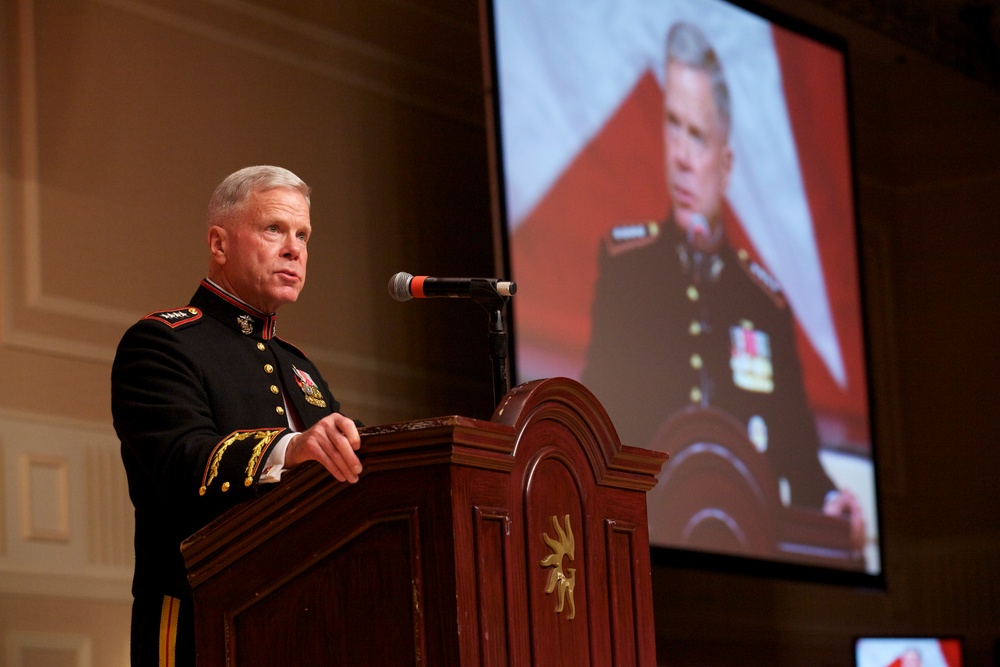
[(688, 46)]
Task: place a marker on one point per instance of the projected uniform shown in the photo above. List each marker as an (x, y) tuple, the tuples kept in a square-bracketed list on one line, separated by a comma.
[(674, 328)]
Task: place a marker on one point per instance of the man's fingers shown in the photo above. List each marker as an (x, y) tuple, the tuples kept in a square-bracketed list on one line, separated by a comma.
[(332, 442), (336, 465), (348, 429), (342, 448)]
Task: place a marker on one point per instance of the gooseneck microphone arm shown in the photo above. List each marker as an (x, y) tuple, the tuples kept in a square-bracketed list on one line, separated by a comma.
[(498, 349), (490, 293)]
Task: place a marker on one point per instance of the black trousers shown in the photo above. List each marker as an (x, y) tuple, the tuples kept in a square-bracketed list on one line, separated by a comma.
[(162, 632)]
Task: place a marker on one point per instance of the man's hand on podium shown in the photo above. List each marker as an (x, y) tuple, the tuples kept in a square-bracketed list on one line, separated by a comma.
[(333, 442), (843, 503)]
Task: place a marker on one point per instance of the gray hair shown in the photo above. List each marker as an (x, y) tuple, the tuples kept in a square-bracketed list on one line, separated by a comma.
[(688, 46), (235, 190)]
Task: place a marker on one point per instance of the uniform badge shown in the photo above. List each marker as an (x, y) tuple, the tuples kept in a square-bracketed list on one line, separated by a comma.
[(631, 232), (750, 358), (246, 324), (623, 238), (175, 318), (312, 393), (757, 433)]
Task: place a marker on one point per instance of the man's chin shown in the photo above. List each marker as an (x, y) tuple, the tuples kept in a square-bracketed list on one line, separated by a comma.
[(683, 219), (285, 296)]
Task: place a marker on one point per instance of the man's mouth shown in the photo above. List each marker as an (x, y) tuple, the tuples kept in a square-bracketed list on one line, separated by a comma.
[(683, 197)]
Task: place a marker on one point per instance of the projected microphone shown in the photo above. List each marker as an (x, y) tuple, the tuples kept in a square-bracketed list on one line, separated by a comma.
[(403, 287)]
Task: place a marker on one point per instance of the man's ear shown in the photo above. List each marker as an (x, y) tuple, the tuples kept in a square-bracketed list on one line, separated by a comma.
[(727, 167), (218, 243)]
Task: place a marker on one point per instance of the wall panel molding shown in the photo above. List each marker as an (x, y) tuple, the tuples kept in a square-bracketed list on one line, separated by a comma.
[(35, 648), (255, 28), (44, 498), (41, 308), (67, 526)]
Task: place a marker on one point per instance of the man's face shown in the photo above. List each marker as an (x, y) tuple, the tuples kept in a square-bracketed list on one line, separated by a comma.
[(264, 255), (697, 148)]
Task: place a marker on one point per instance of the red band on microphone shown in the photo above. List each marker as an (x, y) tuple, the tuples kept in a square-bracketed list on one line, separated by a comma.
[(417, 287)]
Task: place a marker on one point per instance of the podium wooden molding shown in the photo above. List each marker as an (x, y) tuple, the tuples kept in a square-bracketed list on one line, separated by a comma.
[(516, 541)]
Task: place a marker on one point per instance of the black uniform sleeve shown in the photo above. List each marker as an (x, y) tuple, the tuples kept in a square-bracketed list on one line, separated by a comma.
[(163, 416), (796, 451)]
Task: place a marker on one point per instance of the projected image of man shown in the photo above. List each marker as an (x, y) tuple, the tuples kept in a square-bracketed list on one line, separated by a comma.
[(683, 320)]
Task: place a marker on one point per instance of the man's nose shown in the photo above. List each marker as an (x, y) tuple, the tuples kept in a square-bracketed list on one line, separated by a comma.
[(682, 150), (293, 247)]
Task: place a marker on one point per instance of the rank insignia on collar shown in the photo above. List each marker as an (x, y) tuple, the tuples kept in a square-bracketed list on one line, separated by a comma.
[(750, 358), (312, 393), (246, 324)]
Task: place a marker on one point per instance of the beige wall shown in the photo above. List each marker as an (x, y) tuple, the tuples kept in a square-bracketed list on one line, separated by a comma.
[(118, 117)]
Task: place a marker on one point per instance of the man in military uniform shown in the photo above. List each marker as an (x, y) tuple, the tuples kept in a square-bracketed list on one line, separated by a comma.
[(211, 407), (682, 319)]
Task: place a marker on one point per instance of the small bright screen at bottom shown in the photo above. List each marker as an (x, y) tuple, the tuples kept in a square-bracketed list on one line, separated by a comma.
[(908, 652)]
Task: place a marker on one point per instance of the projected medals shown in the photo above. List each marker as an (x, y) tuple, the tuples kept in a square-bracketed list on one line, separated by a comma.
[(750, 359)]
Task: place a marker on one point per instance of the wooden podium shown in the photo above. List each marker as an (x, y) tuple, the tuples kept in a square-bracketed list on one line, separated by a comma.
[(517, 541)]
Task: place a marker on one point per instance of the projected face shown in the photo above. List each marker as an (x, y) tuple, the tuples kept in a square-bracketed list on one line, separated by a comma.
[(697, 149)]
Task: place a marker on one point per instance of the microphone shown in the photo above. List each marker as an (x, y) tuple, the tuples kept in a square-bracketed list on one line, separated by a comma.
[(403, 287)]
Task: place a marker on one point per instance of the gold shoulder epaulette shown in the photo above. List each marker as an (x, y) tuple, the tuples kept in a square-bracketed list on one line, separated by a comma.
[(632, 235), (762, 277), (177, 317)]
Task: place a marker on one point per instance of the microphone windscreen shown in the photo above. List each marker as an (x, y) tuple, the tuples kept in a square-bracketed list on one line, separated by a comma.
[(399, 286)]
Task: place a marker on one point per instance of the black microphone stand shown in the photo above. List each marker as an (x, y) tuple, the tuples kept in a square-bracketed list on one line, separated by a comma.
[(484, 292)]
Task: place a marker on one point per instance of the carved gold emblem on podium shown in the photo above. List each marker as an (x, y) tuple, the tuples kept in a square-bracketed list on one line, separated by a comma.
[(560, 580)]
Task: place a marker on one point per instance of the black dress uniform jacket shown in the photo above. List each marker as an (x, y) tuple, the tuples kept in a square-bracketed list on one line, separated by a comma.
[(200, 396), (674, 328)]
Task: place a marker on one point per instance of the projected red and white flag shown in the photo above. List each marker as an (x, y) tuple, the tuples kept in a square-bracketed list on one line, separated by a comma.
[(584, 152)]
